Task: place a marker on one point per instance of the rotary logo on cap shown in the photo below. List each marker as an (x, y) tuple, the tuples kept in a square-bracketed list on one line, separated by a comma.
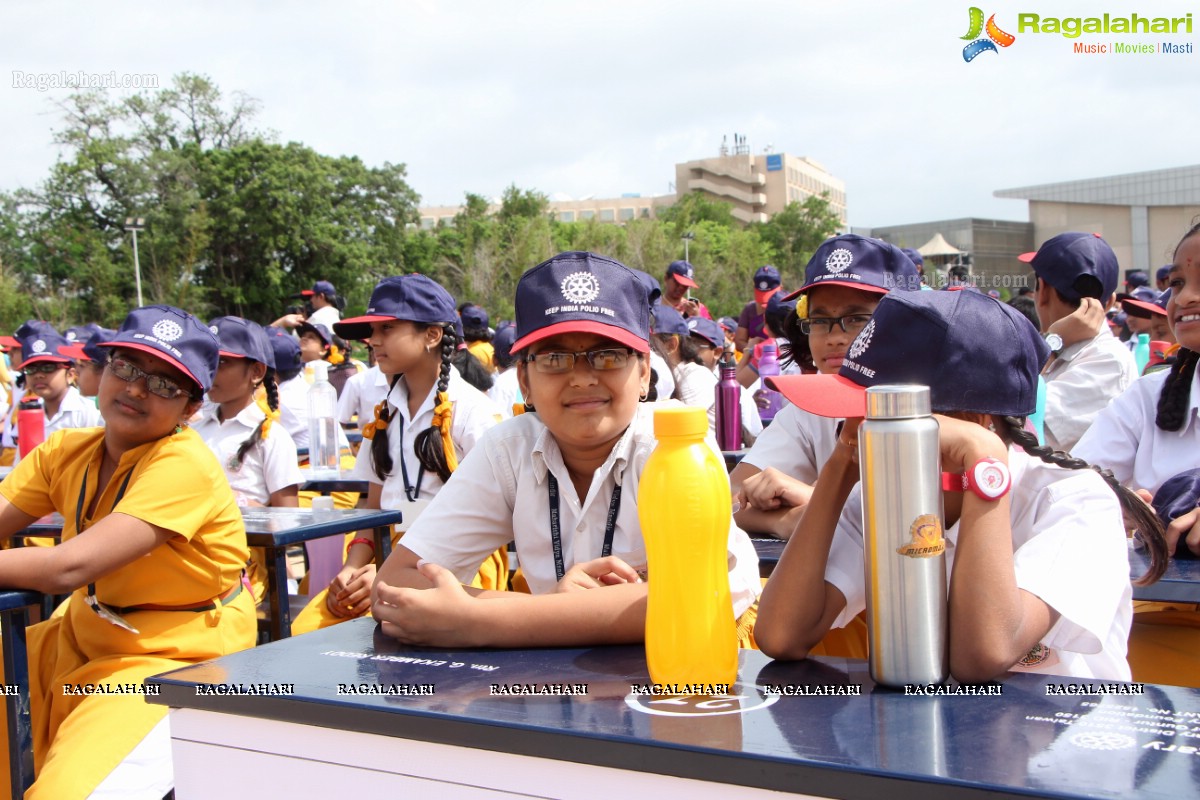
[(580, 287), (167, 330), (39, 346), (839, 260), (860, 344)]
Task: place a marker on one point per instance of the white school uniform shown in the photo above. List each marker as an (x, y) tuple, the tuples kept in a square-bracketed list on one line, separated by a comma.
[(696, 385), (327, 316), (268, 466), (362, 392), (473, 414), (500, 494), (1069, 549), (506, 391), (796, 443), (75, 411), (1080, 382), (1125, 439), (665, 385)]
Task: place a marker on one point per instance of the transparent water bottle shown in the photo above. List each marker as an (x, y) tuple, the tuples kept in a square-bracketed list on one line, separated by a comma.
[(322, 424)]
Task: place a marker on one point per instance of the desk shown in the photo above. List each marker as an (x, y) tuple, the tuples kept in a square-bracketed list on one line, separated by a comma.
[(1179, 584), (463, 741), (769, 550), (13, 619), (277, 529), (342, 483)]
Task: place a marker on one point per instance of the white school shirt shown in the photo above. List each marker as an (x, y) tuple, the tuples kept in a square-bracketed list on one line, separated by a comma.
[(1080, 382), (500, 494), (361, 393), (473, 414), (506, 391), (1125, 439), (327, 316), (268, 466), (293, 412), (1069, 550), (665, 383), (796, 443), (696, 385), (75, 411)]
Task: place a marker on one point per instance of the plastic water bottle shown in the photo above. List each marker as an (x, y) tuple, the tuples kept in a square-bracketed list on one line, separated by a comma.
[(905, 550), (31, 425), (1141, 353), (770, 402), (322, 424), (729, 405), (684, 507)]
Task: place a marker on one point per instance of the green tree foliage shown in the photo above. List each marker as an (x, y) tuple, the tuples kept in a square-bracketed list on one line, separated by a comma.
[(795, 233)]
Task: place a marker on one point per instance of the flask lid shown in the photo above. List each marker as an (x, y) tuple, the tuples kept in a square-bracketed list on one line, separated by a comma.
[(897, 401), (680, 421)]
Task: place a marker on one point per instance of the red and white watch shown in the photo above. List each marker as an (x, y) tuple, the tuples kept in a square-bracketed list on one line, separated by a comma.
[(989, 478)]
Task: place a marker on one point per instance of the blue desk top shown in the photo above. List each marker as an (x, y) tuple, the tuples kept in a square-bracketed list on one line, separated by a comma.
[(11, 599), (275, 527), (342, 483), (1020, 743)]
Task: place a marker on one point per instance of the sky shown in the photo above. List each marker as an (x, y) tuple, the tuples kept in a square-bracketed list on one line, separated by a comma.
[(603, 98)]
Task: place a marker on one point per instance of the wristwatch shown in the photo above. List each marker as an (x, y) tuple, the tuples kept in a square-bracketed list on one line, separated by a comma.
[(989, 479), (1055, 343)]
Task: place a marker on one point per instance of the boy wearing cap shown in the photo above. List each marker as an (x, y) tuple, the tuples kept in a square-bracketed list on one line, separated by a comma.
[(323, 300), (678, 282), (50, 374), (1076, 276), (750, 321)]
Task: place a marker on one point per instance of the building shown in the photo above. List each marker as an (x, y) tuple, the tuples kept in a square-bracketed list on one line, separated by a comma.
[(989, 246), (756, 186), (1142, 214)]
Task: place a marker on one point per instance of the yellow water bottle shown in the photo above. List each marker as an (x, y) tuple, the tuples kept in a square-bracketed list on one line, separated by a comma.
[(684, 507)]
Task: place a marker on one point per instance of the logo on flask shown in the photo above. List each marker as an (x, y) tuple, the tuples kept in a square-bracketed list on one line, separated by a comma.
[(926, 535)]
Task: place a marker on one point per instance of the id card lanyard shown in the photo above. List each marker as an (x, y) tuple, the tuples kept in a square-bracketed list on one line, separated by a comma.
[(610, 525), (410, 491), (104, 612)]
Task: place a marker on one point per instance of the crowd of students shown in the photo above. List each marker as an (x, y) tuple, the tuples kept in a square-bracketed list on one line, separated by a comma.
[(536, 433)]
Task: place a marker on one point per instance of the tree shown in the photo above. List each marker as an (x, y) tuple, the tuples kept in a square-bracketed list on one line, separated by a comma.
[(795, 233)]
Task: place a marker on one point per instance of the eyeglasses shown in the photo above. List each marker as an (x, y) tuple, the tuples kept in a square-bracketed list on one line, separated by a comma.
[(851, 323), (155, 384), (44, 368), (555, 363)]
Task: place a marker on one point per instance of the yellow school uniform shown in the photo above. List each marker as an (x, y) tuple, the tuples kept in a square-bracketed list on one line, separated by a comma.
[(485, 352), (174, 483)]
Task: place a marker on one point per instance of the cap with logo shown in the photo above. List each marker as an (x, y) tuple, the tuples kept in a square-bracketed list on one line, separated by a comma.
[(415, 297), (285, 348), (974, 353), (81, 333), (859, 263), (669, 322), (1144, 302), (578, 292), (707, 330), (173, 335), (728, 324), (1078, 265), (682, 272), (242, 338), (474, 316), (89, 349), (766, 283), (43, 345)]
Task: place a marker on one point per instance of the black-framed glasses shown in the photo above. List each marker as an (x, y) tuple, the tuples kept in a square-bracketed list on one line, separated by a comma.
[(554, 362), (45, 367), (155, 384), (851, 323)]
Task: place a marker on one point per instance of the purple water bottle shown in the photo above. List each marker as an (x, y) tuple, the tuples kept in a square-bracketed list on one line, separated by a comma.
[(769, 401), (729, 405)]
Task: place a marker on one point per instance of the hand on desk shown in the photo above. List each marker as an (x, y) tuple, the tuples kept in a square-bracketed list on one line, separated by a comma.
[(438, 615), (350, 591), (606, 571), (771, 489), (1186, 527)]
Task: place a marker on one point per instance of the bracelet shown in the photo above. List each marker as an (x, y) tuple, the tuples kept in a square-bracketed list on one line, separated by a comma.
[(360, 540)]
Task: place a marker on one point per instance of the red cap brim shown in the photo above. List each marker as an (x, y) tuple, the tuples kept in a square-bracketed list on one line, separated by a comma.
[(9, 341), (44, 357), (685, 281), (73, 352), (1151, 307), (307, 293), (761, 297), (824, 395), (1027, 257), (154, 351), (583, 326)]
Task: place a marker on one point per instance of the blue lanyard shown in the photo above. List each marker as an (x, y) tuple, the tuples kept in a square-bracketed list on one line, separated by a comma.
[(610, 525), (411, 492)]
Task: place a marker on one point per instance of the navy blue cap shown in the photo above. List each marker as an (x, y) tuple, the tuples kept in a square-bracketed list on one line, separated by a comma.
[(1064, 259), (43, 346), (81, 333), (1162, 272), (89, 349), (974, 353), (856, 261), (1143, 302), (669, 322), (502, 342), (766, 281), (1135, 279), (474, 316), (1178, 496), (31, 326), (320, 287), (415, 297), (729, 323), (577, 292), (914, 256), (241, 338), (708, 330), (173, 335), (683, 272), (320, 329), (652, 286), (285, 348)]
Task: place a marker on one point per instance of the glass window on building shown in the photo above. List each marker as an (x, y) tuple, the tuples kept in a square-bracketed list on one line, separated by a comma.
[(587, 214), (566, 216), (645, 212), (626, 214), (427, 223), (608, 215)]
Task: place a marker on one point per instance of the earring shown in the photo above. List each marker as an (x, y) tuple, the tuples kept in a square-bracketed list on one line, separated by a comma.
[(179, 428)]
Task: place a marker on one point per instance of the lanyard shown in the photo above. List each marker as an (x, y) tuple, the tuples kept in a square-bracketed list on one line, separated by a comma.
[(411, 492), (95, 604), (610, 525)]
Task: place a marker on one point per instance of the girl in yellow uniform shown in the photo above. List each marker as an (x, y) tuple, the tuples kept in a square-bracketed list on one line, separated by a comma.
[(153, 549)]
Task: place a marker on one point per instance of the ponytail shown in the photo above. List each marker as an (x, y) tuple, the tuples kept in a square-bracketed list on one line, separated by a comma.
[(1176, 391), (1149, 527), (269, 403), (434, 445)]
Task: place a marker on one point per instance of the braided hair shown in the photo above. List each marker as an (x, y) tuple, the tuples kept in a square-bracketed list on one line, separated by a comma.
[(434, 447), (1149, 526), (270, 407), (377, 432)]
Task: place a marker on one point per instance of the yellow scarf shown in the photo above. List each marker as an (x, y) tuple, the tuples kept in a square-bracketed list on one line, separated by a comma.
[(442, 413), (272, 416)]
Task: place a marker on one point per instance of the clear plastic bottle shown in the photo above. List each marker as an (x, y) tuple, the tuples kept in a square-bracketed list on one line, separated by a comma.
[(322, 424), (729, 406), (770, 402), (684, 508), (1141, 352)]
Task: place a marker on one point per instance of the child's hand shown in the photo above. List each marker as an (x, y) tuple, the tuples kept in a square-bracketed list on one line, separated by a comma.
[(1186, 527), (606, 571), (350, 591), (1081, 324), (963, 443), (771, 489), (439, 615)]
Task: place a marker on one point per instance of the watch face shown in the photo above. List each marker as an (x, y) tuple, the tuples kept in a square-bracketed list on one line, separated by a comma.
[(991, 478), (1054, 342)]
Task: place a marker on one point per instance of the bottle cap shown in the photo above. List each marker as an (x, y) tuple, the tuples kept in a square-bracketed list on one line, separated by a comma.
[(897, 401), (690, 421), (320, 370)]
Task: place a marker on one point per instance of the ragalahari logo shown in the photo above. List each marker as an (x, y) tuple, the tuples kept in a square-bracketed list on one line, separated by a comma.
[(994, 37)]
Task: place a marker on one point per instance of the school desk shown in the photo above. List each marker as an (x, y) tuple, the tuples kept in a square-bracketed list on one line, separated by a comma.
[(277, 529), (1179, 584), (342, 483), (465, 740), (14, 616)]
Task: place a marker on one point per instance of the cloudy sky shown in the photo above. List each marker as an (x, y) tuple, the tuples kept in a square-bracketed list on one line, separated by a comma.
[(603, 98)]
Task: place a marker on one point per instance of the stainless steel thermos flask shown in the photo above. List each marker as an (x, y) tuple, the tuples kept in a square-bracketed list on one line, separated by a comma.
[(904, 549)]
